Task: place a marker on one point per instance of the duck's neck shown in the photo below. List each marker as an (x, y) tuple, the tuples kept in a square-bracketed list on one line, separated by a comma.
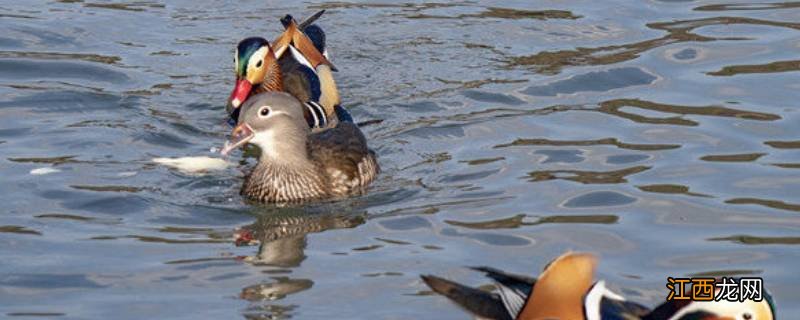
[(283, 144), (273, 80), (284, 172)]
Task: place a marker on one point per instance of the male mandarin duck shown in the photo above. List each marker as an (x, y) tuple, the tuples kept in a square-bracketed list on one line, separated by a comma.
[(296, 63), (297, 165), (565, 291)]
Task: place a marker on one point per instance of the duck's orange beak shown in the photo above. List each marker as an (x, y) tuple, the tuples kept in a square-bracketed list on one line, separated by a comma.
[(240, 92), (241, 134)]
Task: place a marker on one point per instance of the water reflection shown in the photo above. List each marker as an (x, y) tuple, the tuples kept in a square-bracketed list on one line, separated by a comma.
[(613, 107), (776, 204), (276, 289), (605, 141), (597, 81), (524, 220), (552, 62), (756, 240), (599, 199), (281, 233), (772, 67), (88, 57), (19, 230), (505, 13), (748, 6), (744, 157), (586, 177), (671, 189), (134, 6), (784, 144), (271, 311)]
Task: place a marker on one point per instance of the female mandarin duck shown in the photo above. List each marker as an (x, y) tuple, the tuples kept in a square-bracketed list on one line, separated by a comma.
[(297, 165), (565, 291), (305, 72)]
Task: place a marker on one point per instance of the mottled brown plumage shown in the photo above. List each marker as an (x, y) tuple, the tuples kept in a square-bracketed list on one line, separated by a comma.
[(295, 164)]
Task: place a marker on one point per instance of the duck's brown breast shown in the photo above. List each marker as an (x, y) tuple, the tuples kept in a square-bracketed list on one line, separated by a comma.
[(281, 184)]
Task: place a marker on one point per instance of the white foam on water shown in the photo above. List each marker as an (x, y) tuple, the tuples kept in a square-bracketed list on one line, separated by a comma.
[(43, 171), (193, 164)]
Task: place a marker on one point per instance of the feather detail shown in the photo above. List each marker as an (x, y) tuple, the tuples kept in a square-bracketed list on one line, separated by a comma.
[(317, 118), (300, 58), (329, 97), (303, 44), (283, 184), (273, 80)]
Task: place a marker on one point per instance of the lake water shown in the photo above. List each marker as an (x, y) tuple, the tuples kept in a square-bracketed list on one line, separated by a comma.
[(661, 135)]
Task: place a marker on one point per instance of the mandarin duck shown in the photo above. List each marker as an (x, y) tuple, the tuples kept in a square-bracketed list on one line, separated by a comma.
[(296, 63), (565, 291), (295, 164)]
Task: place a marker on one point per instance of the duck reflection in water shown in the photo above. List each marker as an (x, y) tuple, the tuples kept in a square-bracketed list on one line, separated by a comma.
[(281, 234)]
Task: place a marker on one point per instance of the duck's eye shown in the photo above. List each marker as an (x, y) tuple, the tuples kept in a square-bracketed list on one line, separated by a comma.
[(264, 112), (258, 64), (747, 316)]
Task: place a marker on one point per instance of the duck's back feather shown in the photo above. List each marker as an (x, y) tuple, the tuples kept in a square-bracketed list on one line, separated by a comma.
[(343, 155)]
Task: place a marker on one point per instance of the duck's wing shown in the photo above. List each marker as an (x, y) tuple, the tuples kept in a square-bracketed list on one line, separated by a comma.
[(307, 22), (514, 289), (299, 80), (307, 72), (294, 41), (515, 281), (343, 153), (318, 91), (343, 115), (478, 302), (311, 30)]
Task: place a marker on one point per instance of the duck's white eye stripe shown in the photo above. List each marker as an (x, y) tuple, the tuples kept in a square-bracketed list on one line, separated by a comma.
[(236, 61), (257, 57)]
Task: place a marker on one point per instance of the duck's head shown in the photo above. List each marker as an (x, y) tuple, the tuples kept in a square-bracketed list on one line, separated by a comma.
[(274, 122), (253, 62)]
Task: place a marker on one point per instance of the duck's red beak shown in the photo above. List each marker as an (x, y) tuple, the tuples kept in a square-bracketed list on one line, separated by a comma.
[(240, 92)]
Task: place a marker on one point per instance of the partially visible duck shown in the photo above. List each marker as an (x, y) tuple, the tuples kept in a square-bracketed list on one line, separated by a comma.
[(296, 165), (565, 290), (296, 63)]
